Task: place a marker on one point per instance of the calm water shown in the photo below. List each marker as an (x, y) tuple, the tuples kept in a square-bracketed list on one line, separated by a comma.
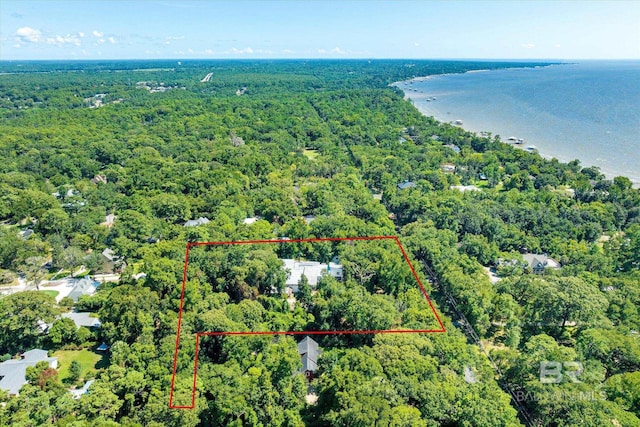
[(589, 111)]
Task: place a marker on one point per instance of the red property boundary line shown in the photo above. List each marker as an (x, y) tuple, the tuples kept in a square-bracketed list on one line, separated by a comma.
[(347, 332)]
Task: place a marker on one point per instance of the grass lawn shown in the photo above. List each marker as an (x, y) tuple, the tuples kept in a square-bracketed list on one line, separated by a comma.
[(88, 360), (52, 293)]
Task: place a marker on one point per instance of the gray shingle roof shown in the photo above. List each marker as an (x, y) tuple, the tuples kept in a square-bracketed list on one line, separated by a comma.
[(309, 351), (12, 372)]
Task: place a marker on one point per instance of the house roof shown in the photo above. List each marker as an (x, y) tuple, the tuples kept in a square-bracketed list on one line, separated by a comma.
[(309, 351), (85, 286), (313, 270), (195, 222), (109, 254), (83, 319), (406, 184), (537, 261), (12, 372), (250, 220)]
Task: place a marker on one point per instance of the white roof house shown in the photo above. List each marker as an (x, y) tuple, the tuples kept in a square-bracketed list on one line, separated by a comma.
[(13, 371), (313, 270), (250, 220), (196, 222)]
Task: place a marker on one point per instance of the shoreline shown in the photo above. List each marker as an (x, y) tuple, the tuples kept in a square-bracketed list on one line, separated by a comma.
[(417, 99)]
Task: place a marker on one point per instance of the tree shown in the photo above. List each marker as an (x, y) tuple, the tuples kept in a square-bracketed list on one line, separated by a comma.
[(34, 271), (63, 331), (75, 370), (304, 292), (560, 300), (21, 317)]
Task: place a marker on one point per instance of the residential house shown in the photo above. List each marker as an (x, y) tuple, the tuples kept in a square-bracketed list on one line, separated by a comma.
[(448, 167), (111, 263), (313, 271), (13, 372), (309, 352), (540, 262), (99, 179), (85, 286), (406, 184), (83, 319), (196, 222), (250, 220)]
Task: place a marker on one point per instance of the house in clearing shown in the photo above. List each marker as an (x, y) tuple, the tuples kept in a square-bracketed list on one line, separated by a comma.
[(13, 372), (309, 352), (312, 270), (540, 262)]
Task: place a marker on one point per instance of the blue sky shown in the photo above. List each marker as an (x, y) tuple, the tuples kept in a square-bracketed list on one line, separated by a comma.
[(85, 29)]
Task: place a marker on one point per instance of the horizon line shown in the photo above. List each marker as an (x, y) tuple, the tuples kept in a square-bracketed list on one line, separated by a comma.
[(317, 59)]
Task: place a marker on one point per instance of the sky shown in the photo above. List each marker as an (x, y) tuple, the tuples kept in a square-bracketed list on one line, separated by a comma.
[(421, 29)]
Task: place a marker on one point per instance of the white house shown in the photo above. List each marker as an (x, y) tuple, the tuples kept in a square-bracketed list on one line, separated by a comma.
[(313, 270)]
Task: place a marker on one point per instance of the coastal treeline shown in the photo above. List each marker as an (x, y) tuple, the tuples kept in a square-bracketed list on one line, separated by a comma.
[(121, 155)]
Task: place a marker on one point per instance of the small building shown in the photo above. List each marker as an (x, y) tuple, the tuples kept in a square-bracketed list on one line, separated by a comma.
[(309, 351), (309, 219), (448, 167), (312, 270), (103, 347), (13, 372), (540, 262), (196, 222), (85, 286), (250, 220), (109, 220), (77, 393), (83, 319), (406, 184), (99, 179)]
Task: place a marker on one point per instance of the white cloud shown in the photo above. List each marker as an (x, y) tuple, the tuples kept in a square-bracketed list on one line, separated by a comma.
[(63, 40), (112, 40), (557, 46), (28, 35), (528, 45), (416, 44), (241, 51), (287, 51), (81, 34), (336, 50), (97, 34)]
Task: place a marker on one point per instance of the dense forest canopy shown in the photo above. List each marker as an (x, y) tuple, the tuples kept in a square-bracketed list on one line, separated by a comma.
[(114, 157)]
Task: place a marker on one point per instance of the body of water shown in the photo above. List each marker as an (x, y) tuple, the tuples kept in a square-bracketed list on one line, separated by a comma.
[(588, 111)]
